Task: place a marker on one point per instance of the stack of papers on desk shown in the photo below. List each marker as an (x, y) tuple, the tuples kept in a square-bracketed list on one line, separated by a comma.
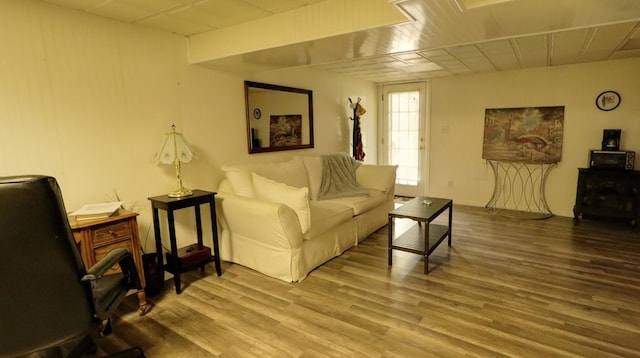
[(97, 211)]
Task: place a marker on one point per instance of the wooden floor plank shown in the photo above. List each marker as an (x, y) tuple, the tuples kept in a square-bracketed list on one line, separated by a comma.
[(506, 287)]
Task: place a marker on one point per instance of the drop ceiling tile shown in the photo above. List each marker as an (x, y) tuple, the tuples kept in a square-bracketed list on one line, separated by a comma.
[(154, 6), (533, 50), (500, 47), (364, 68), (480, 66), (625, 54), (468, 50), (608, 38), (231, 12), (433, 53), (394, 63), (566, 46), (631, 44), (172, 23), (443, 59), (417, 61), (421, 67), (121, 10), (198, 17), (77, 4), (333, 66), (366, 61), (501, 54), (408, 56), (276, 6)]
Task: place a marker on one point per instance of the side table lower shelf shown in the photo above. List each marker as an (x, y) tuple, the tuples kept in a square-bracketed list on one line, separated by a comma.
[(189, 258)]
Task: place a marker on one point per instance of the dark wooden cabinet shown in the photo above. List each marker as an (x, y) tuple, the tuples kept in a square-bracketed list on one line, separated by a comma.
[(608, 194)]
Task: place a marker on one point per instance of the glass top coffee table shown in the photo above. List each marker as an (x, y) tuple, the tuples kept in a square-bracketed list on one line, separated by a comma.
[(424, 237)]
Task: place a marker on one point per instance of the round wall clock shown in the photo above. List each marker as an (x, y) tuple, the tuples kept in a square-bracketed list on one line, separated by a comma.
[(608, 100), (257, 113)]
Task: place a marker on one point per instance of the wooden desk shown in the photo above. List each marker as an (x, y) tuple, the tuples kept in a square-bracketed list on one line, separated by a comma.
[(97, 238), (169, 204)]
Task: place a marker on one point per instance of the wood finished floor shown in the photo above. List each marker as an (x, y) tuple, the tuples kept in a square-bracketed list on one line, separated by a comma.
[(530, 288)]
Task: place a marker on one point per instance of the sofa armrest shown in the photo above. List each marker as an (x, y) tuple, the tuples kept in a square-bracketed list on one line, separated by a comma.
[(377, 177), (272, 224)]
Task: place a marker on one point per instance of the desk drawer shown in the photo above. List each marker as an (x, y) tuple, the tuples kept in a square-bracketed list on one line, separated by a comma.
[(109, 233), (101, 252)]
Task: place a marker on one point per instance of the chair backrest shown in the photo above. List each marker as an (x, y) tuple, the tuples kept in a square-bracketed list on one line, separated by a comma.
[(43, 302)]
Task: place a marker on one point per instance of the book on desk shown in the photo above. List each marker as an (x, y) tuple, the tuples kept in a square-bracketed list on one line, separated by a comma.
[(96, 211)]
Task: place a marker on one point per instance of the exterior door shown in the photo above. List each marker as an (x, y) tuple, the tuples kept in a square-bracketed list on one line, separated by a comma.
[(403, 135)]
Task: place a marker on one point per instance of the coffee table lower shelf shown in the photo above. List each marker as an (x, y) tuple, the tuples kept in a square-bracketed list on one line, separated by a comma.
[(413, 240)]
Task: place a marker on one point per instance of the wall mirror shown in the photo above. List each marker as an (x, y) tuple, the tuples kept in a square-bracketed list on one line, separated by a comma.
[(278, 117)]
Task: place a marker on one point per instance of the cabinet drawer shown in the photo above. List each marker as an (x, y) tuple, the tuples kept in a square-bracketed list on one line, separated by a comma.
[(101, 252), (111, 233)]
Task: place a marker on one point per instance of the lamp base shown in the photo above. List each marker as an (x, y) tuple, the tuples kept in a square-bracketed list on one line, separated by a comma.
[(180, 193)]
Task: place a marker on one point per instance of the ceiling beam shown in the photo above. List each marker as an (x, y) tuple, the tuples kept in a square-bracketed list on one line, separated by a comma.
[(313, 22)]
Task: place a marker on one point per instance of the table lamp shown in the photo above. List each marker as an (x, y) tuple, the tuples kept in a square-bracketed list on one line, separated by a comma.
[(175, 150)]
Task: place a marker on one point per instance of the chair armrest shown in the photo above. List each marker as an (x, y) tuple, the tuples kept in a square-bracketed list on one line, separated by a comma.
[(120, 256), (102, 266)]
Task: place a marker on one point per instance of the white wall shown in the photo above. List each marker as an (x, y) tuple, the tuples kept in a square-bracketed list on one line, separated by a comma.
[(88, 100), (457, 120)]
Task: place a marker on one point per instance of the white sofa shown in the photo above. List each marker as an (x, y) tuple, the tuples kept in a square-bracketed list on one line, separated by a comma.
[(273, 218)]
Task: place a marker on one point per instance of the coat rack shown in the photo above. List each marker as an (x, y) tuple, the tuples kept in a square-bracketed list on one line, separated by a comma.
[(358, 111)]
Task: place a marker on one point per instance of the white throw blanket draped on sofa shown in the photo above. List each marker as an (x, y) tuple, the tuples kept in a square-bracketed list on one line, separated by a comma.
[(339, 177)]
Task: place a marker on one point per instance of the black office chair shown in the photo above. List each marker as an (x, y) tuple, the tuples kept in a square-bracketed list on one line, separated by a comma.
[(48, 296)]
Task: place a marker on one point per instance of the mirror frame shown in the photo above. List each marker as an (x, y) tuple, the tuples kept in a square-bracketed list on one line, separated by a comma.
[(250, 84)]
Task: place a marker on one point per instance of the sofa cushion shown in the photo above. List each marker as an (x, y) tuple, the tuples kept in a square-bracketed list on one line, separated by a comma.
[(291, 172), (240, 181), (295, 198), (313, 166), (326, 215), (361, 204)]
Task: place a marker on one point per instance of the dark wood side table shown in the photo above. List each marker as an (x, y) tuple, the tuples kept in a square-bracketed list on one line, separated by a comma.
[(169, 204), (418, 239)]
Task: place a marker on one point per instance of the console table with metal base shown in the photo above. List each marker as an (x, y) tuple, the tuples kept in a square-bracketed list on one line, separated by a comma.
[(519, 189), (418, 239), (170, 204)]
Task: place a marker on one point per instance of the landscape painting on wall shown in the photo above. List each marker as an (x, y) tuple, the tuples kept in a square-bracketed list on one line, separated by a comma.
[(285, 130), (531, 135)]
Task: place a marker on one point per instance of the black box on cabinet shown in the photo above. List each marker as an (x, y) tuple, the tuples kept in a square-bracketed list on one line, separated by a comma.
[(611, 139)]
